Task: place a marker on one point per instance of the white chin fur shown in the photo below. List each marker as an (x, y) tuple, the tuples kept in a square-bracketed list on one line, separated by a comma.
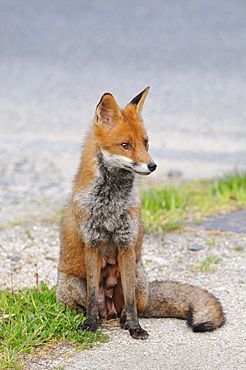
[(119, 161)]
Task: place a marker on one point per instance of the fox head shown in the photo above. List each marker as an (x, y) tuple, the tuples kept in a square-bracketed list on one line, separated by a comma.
[(120, 134)]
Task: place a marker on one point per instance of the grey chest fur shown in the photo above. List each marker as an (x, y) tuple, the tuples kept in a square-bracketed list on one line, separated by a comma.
[(111, 195)]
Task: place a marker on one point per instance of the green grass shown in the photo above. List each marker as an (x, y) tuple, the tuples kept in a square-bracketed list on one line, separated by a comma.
[(211, 242), (167, 207), (33, 317), (206, 265)]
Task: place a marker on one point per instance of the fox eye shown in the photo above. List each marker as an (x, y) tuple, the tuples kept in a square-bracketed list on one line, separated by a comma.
[(146, 144), (126, 146)]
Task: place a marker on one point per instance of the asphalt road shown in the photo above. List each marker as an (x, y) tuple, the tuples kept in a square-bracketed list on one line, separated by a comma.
[(58, 57), (233, 222)]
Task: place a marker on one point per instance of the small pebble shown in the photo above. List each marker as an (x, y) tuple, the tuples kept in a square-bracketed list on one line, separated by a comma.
[(195, 247), (14, 258)]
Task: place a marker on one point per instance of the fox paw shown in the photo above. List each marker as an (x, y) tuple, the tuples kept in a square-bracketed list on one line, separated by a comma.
[(123, 322), (138, 333), (88, 325)]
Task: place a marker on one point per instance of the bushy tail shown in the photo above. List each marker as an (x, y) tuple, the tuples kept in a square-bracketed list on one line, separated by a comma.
[(201, 309)]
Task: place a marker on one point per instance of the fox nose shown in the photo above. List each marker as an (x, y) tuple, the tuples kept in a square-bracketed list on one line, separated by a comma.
[(152, 166)]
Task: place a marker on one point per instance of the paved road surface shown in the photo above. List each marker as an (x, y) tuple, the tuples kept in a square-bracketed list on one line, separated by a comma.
[(58, 57), (233, 222)]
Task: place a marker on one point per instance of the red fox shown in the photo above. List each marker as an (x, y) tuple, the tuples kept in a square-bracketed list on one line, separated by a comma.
[(100, 271)]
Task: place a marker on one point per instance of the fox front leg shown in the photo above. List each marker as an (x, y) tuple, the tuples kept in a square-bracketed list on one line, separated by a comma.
[(93, 268), (129, 318)]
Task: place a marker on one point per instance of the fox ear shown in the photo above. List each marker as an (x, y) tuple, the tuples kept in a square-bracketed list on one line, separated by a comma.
[(138, 101), (107, 110)]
